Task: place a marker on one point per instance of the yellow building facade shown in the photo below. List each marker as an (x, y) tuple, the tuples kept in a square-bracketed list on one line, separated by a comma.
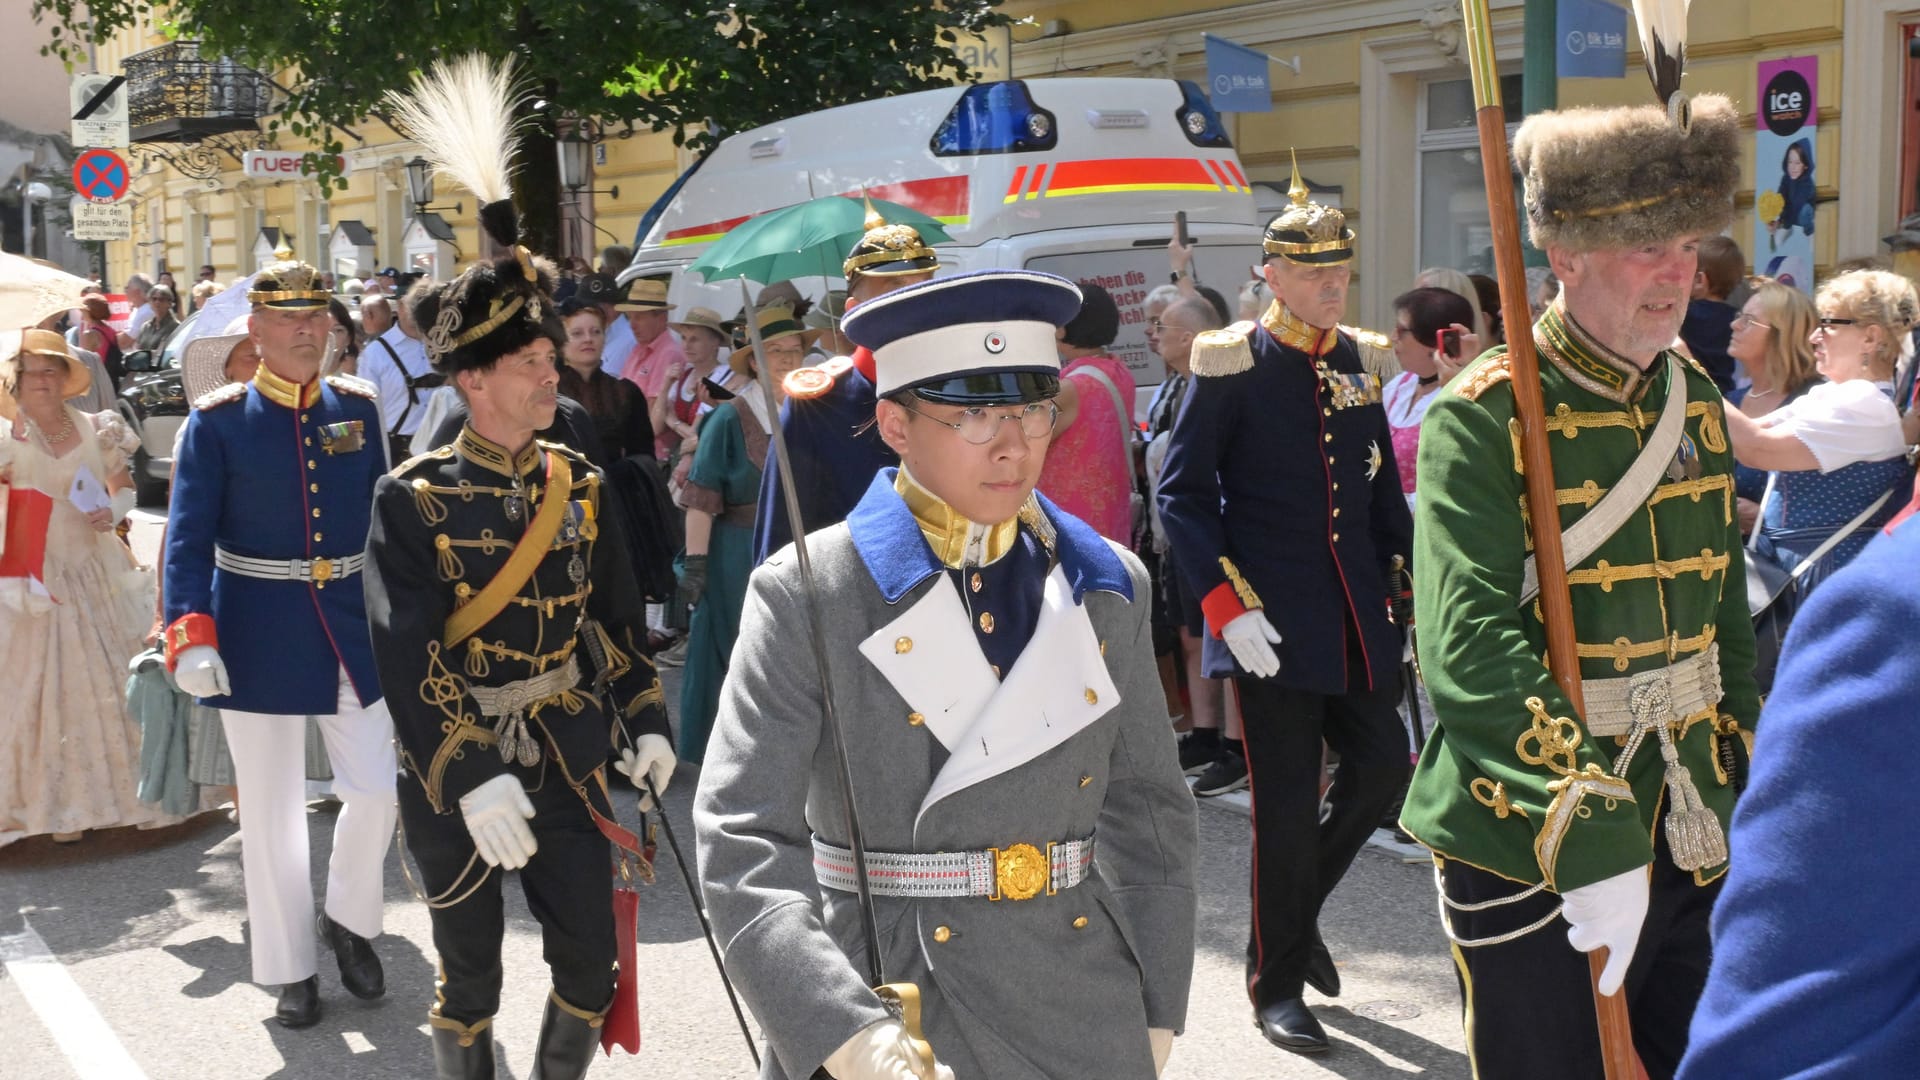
[(1379, 112)]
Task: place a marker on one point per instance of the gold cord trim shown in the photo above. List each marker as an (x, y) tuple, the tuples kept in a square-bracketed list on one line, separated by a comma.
[(1248, 598), (432, 510), (1493, 795), (1605, 574), (1623, 651)]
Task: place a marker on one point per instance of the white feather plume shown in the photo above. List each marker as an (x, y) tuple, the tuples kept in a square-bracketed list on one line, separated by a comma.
[(461, 115), (1663, 42)]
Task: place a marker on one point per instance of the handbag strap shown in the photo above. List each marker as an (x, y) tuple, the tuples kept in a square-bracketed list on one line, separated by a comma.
[(1120, 411), (1800, 569), (526, 555), (1585, 536)]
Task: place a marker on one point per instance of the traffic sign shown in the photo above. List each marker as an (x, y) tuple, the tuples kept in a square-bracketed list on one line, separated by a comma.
[(102, 220), (99, 110), (101, 175)]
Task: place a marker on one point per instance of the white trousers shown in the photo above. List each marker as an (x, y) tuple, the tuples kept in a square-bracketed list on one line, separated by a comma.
[(269, 763)]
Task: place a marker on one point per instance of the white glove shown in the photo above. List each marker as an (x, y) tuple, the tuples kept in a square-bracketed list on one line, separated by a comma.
[(881, 1051), (1161, 1039), (650, 758), (497, 813), (1252, 638), (1608, 914), (199, 671), (121, 504)]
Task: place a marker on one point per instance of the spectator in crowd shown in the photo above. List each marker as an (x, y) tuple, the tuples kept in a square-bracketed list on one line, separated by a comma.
[(1709, 322), (139, 291), (69, 755), (723, 488), (1217, 763), (1255, 297), (617, 339), (686, 399), (1428, 326), (204, 291), (618, 410), (99, 395), (396, 363), (1542, 287), (153, 336), (165, 277), (1089, 467), (376, 315), (1772, 343), (1459, 284), (96, 335), (656, 354), (343, 342), (1493, 329), (615, 258), (1154, 307), (1838, 452)]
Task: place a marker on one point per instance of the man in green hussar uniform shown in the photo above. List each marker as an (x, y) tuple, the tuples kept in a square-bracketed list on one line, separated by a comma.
[(1556, 828)]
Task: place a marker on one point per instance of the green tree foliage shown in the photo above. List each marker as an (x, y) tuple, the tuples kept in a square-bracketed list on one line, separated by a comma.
[(629, 65)]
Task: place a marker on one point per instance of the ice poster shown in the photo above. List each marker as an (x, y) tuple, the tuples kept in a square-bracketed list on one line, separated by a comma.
[(1783, 204)]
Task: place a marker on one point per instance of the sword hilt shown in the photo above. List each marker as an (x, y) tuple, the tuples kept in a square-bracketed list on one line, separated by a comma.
[(902, 999)]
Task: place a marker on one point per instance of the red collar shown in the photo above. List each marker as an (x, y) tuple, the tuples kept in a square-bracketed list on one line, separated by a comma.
[(863, 359)]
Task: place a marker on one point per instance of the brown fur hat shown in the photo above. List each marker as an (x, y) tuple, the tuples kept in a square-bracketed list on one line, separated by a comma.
[(1614, 178)]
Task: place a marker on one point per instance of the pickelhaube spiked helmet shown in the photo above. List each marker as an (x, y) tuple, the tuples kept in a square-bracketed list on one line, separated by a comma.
[(889, 250), (1306, 232), (288, 284)]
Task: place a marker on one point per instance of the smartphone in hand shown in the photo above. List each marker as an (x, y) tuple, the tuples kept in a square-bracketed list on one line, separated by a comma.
[(1180, 228)]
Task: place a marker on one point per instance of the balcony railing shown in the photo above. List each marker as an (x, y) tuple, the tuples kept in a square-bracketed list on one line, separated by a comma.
[(174, 94)]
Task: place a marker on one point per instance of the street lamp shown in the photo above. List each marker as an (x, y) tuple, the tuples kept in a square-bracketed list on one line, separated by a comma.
[(576, 149), (420, 187), (35, 192)]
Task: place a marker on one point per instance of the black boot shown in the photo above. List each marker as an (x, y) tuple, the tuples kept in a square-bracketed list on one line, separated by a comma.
[(460, 1051), (360, 970), (568, 1038), (299, 1004)]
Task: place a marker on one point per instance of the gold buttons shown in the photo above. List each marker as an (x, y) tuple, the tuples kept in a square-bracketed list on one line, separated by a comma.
[(1336, 538), (316, 536), (1329, 459), (1092, 698), (309, 442), (311, 465), (315, 488), (1080, 923), (1329, 436), (986, 622), (1103, 647), (1336, 511), (996, 670), (1326, 412), (916, 719), (443, 543), (1336, 485), (1085, 780), (316, 511), (303, 418), (902, 645), (941, 934), (974, 582)]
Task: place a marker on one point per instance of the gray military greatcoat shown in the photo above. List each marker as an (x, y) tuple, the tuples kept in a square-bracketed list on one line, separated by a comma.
[(1074, 742)]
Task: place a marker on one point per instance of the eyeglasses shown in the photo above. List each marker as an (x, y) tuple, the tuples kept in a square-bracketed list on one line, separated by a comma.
[(1829, 323), (980, 427), (1156, 324), (1744, 319)]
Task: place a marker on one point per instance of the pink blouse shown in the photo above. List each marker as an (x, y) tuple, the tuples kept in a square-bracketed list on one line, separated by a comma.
[(1089, 469)]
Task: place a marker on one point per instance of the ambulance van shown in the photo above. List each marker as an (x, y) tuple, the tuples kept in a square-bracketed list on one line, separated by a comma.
[(1078, 177)]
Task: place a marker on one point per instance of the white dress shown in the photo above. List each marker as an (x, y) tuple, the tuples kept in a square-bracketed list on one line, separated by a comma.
[(69, 754)]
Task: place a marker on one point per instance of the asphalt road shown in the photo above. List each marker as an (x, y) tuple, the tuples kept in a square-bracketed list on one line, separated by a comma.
[(125, 957)]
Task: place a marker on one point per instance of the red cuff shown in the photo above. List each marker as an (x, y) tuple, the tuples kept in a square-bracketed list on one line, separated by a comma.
[(186, 632), (1221, 606)]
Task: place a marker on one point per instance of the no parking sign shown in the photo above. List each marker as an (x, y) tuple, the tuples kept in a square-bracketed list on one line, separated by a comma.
[(101, 175)]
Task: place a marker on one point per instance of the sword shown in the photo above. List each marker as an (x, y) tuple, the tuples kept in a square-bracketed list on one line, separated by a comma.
[(1402, 605), (902, 999)]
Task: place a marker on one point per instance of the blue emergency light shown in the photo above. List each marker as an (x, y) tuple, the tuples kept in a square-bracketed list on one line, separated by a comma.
[(995, 118)]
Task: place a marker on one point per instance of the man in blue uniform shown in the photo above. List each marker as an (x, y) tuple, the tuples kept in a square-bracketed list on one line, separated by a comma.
[(1814, 940), (1280, 483), (266, 622), (828, 417), (1002, 718)]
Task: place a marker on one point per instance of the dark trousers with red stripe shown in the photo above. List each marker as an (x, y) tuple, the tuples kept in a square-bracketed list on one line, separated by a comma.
[(567, 885), (1298, 859), (1527, 1004)]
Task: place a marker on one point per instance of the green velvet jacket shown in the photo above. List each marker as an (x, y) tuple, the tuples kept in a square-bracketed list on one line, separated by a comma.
[(1511, 780)]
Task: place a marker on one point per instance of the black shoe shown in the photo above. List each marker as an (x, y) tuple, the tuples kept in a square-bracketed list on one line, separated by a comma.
[(1290, 1025), (299, 1005), (462, 1053), (568, 1038), (1321, 974), (1227, 773), (360, 970), (1198, 749)]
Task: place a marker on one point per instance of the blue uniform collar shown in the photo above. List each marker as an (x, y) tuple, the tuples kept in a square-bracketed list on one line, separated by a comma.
[(889, 542)]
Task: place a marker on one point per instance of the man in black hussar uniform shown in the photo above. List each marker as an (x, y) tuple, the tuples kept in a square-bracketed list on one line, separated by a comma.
[(1280, 484), (504, 617)]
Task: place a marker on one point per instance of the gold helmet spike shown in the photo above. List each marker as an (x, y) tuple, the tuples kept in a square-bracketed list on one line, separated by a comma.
[(874, 220), (1298, 191)]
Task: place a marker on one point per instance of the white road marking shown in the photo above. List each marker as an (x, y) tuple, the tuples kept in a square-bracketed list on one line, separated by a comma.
[(76, 1026)]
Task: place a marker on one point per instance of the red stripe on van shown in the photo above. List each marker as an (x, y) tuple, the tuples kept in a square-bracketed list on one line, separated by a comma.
[(1013, 189), (1239, 177), (943, 198), (1039, 183), (1219, 174), (1131, 174)]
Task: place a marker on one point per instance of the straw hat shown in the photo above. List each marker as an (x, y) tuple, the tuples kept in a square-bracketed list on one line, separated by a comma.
[(15, 343), (775, 323), (706, 319)]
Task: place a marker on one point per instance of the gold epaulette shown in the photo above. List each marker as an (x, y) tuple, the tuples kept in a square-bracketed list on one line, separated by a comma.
[(1223, 352), (1482, 376), (807, 383), (355, 385), (221, 396), (1367, 338), (438, 453)]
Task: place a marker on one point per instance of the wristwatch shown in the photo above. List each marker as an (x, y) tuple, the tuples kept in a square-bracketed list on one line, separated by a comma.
[(1174, 278)]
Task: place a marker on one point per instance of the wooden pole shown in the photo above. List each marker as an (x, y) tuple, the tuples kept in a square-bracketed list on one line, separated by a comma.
[(1616, 1037)]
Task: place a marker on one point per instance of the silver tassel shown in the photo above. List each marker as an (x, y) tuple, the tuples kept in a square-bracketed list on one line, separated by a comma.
[(530, 750), (507, 738), (1693, 832)]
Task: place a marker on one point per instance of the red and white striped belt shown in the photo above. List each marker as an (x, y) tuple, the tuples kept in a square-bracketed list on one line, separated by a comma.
[(1015, 872)]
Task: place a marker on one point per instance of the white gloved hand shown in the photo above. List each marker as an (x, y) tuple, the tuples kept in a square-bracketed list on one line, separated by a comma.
[(881, 1051), (200, 671), (1251, 638), (121, 504), (650, 758), (1608, 914), (1161, 1039), (497, 813)]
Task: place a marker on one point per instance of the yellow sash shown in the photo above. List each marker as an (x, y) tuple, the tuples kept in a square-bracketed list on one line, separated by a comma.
[(520, 564)]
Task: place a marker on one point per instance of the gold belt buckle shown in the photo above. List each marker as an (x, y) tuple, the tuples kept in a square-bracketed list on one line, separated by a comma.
[(1021, 872), (322, 571)]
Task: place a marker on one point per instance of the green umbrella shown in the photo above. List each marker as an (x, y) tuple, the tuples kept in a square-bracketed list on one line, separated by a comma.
[(809, 239)]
